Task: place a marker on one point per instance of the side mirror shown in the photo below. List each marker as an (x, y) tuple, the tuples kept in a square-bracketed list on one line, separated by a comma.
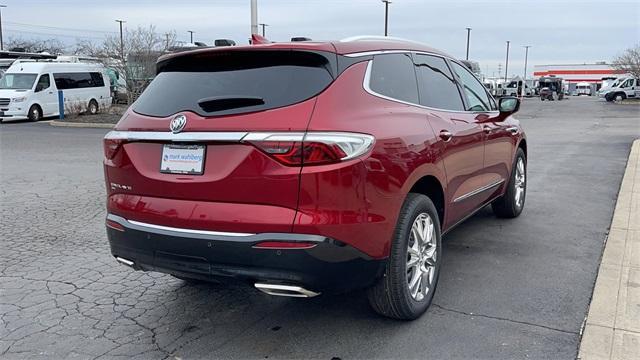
[(39, 88), (508, 105)]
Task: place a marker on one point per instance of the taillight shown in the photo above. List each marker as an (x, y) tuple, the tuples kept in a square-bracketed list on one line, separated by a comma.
[(112, 143), (295, 149)]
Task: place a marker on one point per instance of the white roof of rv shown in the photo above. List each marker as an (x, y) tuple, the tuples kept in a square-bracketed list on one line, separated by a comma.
[(23, 66)]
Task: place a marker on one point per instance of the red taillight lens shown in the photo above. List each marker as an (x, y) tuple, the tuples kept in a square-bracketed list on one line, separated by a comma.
[(114, 225), (111, 146), (287, 152), (112, 142), (284, 245), (316, 153), (296, 149), (301, 153)]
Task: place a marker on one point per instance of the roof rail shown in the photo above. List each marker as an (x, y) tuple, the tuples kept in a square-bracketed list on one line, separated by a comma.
[(374, 38)]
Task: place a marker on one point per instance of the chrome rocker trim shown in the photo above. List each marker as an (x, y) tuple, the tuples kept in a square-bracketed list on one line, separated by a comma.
[(477, 191)]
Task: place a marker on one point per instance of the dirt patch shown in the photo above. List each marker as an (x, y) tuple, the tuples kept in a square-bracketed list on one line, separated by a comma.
[(108, 116)]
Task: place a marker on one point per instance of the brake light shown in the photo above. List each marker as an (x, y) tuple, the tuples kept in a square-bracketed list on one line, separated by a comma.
[(111, 144), (296, 149)]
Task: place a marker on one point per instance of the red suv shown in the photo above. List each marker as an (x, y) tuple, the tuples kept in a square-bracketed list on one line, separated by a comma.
[(310, 167)]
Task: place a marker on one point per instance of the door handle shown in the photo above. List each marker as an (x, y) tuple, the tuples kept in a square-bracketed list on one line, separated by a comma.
[(445, 135), (513, 130), (487, 129)]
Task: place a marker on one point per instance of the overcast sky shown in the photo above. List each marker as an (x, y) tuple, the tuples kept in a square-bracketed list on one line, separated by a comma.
[(560, 32)]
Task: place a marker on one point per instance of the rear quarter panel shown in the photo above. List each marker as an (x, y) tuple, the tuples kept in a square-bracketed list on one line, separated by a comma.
[(365, 198)]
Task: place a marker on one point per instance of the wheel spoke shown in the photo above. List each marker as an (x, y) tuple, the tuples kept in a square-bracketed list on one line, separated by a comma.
[(413, 261), (415, 278)]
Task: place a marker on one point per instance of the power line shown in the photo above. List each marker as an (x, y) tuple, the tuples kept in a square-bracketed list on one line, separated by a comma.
[(53, 34), (19, 24)]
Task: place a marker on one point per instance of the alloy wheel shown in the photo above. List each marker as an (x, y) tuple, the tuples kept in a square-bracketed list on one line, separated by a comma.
[(422, 255), (520, 182)]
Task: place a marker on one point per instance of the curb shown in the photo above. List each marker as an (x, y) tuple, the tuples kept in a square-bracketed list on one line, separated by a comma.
[(80, 125), (612, 326)]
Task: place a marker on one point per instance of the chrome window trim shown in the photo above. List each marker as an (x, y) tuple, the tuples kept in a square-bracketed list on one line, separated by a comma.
[(179, 137), (375, 52), (478, 191), (366, 85), (367, 81)]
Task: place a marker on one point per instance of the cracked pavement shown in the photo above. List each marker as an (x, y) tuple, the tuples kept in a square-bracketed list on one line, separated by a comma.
[(508, 288)]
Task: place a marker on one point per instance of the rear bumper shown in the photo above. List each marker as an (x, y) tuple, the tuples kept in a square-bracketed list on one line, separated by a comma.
[(330, 266)]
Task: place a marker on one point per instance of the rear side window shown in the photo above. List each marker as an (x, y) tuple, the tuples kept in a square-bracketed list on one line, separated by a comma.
[(231, 82), (475, 92), (78, 80), (393, 75), (438, 89)]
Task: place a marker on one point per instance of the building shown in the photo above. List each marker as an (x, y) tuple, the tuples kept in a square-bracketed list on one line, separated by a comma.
[(576, 73)]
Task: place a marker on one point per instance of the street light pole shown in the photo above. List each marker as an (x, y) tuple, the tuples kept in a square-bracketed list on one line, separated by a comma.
[(468, 35), (386, 16), (526, 57), (191, 33), (1, 39), (506, 64), (254, 17), (263, 26), (121, 39)]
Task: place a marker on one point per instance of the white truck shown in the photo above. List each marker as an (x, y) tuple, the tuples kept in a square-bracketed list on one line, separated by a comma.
[(29, 89)]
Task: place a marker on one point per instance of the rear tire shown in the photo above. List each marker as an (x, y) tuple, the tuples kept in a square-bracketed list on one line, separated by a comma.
[(510, 204), (92, 109), (415, 258), (35, 113)]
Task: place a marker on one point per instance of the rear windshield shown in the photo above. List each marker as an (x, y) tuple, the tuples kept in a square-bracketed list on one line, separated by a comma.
[(222, 83)]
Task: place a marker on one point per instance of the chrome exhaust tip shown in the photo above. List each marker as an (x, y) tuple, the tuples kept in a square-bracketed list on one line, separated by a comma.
[(286, 290), (124, 261)]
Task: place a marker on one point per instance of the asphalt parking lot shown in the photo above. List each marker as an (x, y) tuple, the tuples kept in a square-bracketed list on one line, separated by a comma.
[(508, 288)]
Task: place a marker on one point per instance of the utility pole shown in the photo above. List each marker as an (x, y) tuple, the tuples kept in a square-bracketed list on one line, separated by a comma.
[(1, 39), (526, 57), (386, 17), (506, 64), (121, 39), (263, 26), (468, 35), (166, 35), (191, 32), (254, 17)]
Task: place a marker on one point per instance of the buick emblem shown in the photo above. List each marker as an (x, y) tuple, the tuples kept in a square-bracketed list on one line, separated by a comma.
[(177, 123)]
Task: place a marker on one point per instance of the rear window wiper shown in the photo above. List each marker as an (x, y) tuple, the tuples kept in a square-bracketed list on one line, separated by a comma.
[(219, 103)]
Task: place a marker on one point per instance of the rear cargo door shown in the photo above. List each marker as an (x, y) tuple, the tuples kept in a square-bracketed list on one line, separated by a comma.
[(182, 161)]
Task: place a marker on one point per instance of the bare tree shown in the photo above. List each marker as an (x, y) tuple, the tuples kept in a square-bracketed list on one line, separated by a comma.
[(629, 61), (135, 58), (52, 46), (89, 48)]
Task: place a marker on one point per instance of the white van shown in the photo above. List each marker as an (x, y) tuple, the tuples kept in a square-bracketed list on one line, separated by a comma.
[(583, 88), (627, 88), (29, 89)]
